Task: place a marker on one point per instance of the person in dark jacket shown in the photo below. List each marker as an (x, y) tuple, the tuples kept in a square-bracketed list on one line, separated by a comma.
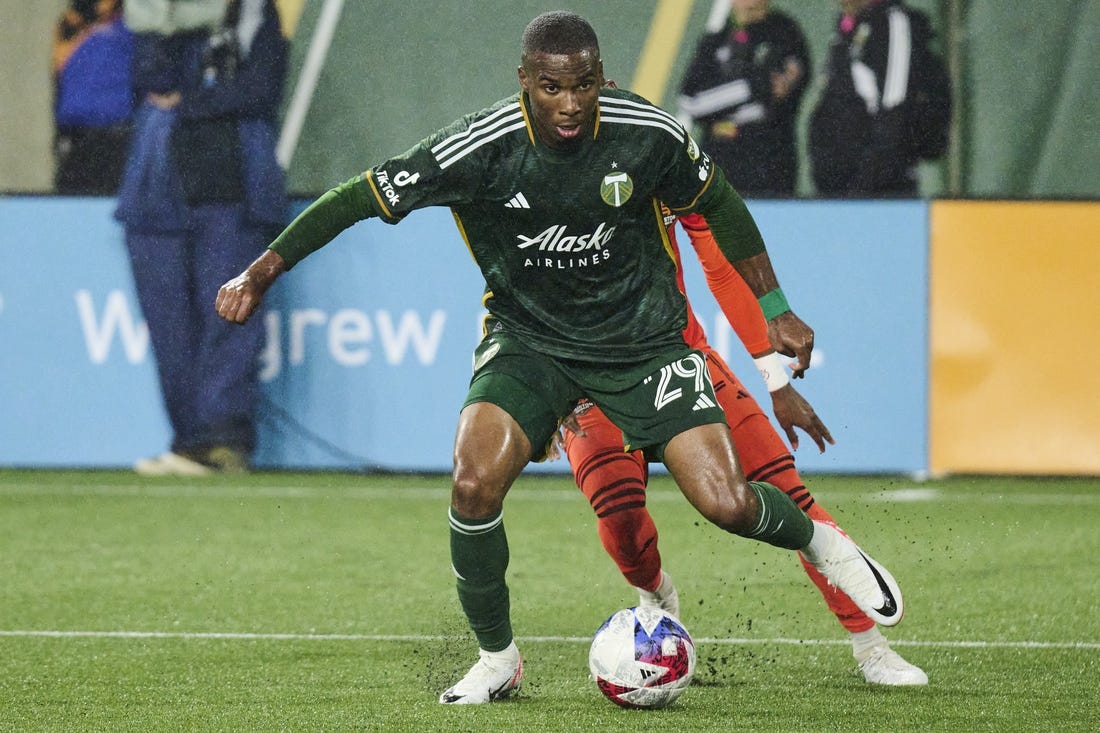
[(201, 192), (93, 98), (742, 90), (858, 132)]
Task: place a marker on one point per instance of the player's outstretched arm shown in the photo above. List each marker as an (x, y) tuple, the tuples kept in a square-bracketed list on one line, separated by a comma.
[(788, 333), (745, 315), (319, 224), (738, 237)]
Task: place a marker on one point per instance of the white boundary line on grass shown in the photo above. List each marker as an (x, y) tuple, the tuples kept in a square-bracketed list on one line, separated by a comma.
[(242, 636)]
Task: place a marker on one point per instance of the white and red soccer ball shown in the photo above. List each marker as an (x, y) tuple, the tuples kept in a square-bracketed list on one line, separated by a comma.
[(642, 658)]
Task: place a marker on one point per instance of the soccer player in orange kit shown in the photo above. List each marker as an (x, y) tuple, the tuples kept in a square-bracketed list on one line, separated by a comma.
[(614, 481)]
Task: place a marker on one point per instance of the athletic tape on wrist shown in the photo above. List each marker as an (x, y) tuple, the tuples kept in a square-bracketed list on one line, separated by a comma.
[(773, 303), (771, 369)]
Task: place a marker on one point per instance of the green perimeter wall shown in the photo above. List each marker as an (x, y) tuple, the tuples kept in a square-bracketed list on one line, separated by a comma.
[(1028, 112), (399, 71)]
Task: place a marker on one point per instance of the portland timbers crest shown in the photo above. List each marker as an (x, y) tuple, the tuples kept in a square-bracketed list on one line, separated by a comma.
[(616, 187)]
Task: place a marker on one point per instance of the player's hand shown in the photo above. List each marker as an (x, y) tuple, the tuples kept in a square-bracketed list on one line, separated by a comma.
[(239, 298), (793, 411), (790, 336), (571, 423), (557, 443)]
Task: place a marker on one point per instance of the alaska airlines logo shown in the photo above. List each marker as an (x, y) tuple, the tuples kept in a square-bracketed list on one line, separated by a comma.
[(555, 249), (615, 189), (554, 239)]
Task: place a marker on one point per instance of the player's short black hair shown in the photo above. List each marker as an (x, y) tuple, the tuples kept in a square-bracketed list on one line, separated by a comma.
[(559, 32)]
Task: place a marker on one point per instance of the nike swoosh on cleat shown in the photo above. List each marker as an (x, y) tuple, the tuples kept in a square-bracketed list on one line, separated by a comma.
[(889, 605), (508, 687)]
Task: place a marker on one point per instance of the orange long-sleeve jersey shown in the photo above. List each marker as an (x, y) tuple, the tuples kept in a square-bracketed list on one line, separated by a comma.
[(734, 296)]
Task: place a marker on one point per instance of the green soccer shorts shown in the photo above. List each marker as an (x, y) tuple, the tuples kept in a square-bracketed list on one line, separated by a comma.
[(650, 401)]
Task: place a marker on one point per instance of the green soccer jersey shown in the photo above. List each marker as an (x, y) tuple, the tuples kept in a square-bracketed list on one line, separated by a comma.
[(572, 244)]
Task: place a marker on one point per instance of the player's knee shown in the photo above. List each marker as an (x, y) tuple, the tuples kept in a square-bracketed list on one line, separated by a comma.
[(733, 508), (475, 493)]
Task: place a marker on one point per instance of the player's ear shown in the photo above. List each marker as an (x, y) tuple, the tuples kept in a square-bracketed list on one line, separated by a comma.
[(522, 72)]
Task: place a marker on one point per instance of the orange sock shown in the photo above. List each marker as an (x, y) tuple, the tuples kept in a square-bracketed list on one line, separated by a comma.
[(614, 483)]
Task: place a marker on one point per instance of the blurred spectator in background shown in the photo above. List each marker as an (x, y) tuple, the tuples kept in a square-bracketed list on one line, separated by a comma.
[(885, 103), (742, 90), (201, 194), (93, 98)]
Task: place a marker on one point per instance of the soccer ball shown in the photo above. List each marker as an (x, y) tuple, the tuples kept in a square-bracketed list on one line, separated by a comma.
[(642, 658)]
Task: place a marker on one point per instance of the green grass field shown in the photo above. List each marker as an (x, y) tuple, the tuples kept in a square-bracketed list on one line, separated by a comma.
[(324, 602)]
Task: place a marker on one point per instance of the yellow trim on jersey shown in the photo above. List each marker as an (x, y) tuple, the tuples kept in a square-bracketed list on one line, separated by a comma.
[(699, 195), (657, 209), (462, 233), (527, 117), (596, 122), (377, 195), (488, 293)]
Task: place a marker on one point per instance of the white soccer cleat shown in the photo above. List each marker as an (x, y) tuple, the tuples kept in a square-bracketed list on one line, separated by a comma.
[(494, 677), (881, 665), (665, 597), (845, 566), (171, 464)]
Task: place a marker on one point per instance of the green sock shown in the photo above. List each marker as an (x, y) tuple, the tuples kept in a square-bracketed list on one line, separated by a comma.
[(781, 522), (479, 556)]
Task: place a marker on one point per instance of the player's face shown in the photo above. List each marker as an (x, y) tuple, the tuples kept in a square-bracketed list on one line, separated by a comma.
[(563, 89)]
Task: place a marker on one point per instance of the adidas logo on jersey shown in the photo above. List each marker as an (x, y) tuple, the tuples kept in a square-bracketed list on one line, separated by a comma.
[(519, 201), (703, 403)]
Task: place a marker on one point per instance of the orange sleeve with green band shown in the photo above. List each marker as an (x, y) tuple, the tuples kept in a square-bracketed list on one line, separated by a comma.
[(734, 297), (325, 218)]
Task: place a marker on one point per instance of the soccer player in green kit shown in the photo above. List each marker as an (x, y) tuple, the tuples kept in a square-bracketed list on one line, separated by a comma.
[(556, 192)]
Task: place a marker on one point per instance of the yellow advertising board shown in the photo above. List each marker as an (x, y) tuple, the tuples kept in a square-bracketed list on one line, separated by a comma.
[(1014, 337)]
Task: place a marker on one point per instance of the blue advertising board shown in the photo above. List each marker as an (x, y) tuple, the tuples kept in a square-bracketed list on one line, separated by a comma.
[(369, 340), (857, 273)]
